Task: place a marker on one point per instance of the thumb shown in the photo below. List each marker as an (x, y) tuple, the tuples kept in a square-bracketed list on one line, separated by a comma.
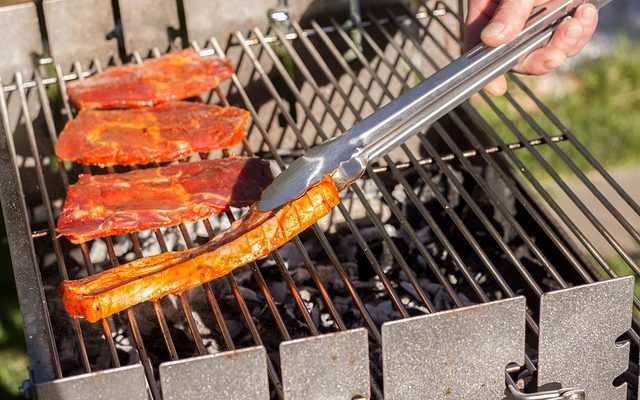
[(507, 22)]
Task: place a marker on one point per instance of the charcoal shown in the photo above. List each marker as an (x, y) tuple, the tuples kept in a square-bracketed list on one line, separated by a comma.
[(354, 259), (291, 256), (279, 291)]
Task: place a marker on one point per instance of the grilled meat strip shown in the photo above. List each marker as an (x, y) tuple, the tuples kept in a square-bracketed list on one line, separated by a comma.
[(103, 205), (248, 239), (166, 132), (174, 76)]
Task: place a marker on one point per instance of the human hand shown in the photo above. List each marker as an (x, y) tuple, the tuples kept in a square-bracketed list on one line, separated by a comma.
[(495, 22)]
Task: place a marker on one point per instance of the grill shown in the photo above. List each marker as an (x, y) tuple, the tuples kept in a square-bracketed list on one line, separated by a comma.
[(509, 293)]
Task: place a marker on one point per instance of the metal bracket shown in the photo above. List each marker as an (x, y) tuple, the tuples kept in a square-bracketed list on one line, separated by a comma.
[(80, 30), (20, 35), (578, 329), (332, 366), (230, 375), (98, 385), (158, 26), (558, 394), (228, 16), (459, 354)]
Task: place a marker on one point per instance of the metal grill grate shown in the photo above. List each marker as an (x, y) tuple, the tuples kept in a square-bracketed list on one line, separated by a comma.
[(491, 236)]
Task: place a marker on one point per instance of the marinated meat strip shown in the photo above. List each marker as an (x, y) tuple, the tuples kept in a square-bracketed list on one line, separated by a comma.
[(103, 205), (166, 132), (248, 239), (174, 76)]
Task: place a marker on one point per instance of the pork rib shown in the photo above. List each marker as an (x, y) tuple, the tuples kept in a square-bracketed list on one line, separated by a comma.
[(248, 239), (103, 205), (174, 76), (166, 132)]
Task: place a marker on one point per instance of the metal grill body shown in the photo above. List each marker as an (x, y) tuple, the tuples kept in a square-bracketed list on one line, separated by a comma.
[(452, 221)]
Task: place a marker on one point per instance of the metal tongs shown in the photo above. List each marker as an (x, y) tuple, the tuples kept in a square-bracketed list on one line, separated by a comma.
[(345, 157)]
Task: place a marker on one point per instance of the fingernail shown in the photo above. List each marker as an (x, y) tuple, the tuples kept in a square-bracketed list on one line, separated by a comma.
[(553, 63), (589, 14), (494, 29), (573, 34)]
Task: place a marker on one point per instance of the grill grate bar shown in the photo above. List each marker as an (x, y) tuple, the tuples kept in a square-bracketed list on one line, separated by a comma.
[(552, 203), (257, 275), (417, 203), (393, 248), (583, 151), (449, 209), (309, 47), (589, 246), (352, 225), (138, 253), (88, 265), (254, 267), (162, 320), (442, 280), (273, 375), (574, 168), (407, 187), (605, 232), (321, 236), (306, 112), (491, 161), (256, 271), (281, 266), (583, 178), (483, 184), (336, 317), (26, 115), (133, 325)]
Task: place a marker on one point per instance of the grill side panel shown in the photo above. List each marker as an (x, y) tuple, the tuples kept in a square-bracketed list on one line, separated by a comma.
[(40, 342)]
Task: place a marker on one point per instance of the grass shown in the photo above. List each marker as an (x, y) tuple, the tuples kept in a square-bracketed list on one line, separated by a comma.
[(599, 104), (13, 357)]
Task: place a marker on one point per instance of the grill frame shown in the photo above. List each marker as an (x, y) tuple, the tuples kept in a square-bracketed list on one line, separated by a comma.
[(25, 279)]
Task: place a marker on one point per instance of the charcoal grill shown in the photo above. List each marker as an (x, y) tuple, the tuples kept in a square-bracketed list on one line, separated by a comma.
[(452, 270)]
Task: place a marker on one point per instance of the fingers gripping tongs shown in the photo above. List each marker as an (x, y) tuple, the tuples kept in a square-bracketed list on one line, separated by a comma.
[(345, 157)]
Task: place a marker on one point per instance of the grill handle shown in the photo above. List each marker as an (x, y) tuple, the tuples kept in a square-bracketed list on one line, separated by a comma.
[(560, 394)]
